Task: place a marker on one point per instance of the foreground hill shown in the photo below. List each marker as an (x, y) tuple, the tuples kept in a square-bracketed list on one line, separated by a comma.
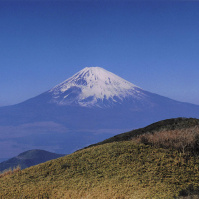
[(119, 169), (29, 158)]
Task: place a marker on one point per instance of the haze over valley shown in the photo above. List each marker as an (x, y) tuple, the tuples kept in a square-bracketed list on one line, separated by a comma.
[(92, 105)]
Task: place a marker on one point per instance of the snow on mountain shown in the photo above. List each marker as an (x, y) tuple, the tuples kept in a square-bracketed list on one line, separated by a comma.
[(94, 86), (89, 107)]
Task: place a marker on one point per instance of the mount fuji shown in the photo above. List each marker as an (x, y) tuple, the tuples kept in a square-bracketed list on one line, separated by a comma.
[(90, 106), (95, 87)]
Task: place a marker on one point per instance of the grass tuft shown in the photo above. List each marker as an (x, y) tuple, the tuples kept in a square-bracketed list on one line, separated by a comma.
[(10, 171)]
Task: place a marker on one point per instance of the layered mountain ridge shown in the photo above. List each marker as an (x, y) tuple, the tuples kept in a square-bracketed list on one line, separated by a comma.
[(92, 105), (28, 158)]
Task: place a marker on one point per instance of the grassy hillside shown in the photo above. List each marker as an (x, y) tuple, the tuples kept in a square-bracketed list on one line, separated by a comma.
[(124, 169)]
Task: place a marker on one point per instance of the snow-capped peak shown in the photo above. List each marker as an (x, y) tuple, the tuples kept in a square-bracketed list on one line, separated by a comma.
[(93, 86)]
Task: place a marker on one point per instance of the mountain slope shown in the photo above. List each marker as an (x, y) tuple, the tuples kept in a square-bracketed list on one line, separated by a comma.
[(166, 125), (89, 107), (28, 158), (121, 169), (96, 87)]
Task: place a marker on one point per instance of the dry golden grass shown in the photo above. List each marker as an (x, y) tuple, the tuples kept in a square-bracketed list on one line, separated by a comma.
[(184, 140), (10, 171), (123, 170)]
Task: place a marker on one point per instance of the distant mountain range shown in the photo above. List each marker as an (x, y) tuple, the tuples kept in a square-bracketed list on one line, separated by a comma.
[(89, 107), (29, 158)]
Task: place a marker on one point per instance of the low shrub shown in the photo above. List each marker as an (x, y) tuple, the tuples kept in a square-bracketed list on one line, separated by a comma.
[(184, 140)]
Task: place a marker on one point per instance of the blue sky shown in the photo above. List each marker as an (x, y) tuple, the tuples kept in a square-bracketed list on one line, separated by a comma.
[(153, 44)]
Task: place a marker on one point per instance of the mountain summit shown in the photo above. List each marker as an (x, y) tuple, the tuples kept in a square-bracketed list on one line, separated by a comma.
[(94, 86)]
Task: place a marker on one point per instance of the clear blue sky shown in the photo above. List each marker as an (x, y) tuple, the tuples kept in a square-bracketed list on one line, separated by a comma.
[(153, 44)]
